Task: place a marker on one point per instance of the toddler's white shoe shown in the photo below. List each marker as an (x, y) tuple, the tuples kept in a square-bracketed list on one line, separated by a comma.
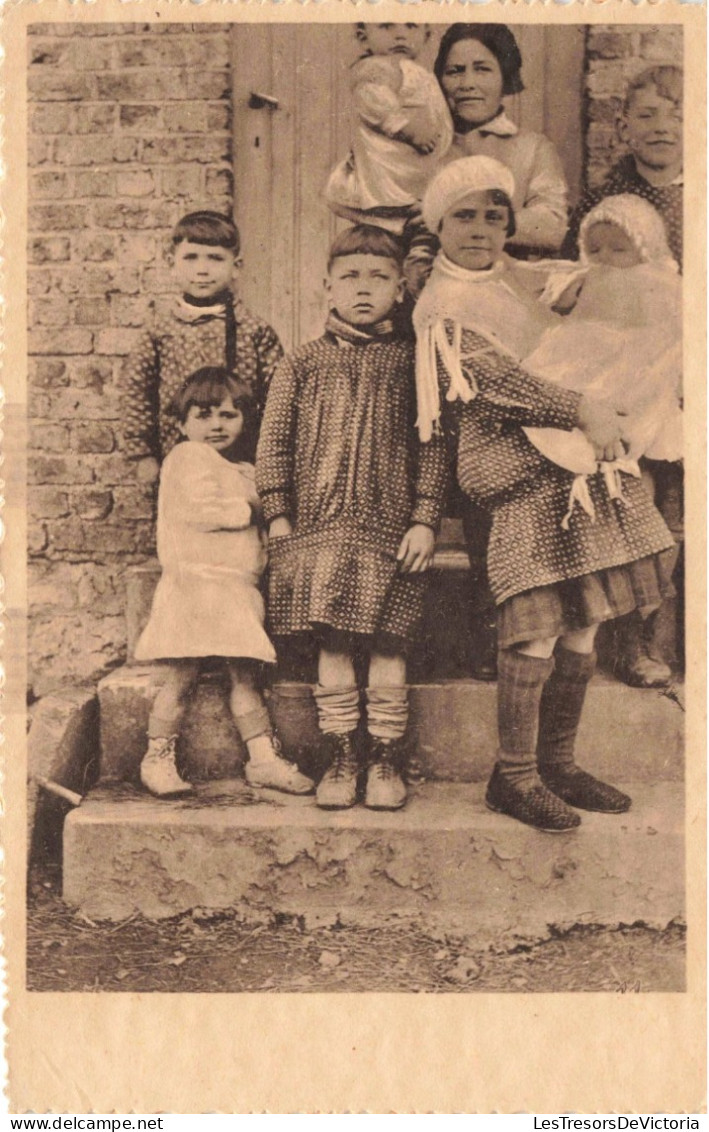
[(268, 767), (158, 770)]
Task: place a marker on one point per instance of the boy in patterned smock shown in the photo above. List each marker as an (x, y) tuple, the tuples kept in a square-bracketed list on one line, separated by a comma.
[(207, 325), (353, 500)]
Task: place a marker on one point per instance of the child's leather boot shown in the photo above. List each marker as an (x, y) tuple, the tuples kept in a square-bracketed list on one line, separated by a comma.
[(158, 770), (337, 789), (385, 786)]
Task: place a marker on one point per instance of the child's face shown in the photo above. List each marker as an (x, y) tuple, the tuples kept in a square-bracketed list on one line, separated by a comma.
[(396, 39), (217, 425), (474, 232), (201, 270), (652, 129), (363, 289), (608, 245)]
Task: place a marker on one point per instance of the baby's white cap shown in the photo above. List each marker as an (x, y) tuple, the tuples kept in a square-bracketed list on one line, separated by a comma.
[(460, 177)]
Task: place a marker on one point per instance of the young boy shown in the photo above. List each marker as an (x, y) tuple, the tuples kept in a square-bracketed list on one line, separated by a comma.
[(353, 500), (651, 128), (208, 325)]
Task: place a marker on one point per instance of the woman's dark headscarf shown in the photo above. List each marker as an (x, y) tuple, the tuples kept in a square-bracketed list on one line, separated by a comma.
[(499, 41)]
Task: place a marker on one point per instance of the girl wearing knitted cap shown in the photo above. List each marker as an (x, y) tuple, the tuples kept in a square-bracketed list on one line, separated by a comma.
[(475, 321)]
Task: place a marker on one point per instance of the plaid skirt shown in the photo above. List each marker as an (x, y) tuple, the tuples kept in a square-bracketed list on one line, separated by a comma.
[(576, 603)]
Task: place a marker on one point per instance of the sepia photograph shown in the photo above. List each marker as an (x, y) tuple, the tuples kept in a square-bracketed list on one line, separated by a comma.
[(356, 629)]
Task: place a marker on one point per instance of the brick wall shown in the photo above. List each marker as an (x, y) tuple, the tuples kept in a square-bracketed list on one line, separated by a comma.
[(129, 128), (614, 55)]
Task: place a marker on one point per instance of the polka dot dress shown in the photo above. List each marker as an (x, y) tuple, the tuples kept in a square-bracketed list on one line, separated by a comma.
[(339, 455), (527, 495), (175, 346)]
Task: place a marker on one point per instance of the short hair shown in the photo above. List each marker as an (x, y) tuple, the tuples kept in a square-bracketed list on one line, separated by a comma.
[(207, 388), (666, 78), (361, 31), (499, 41), (206, 227), (501, 199), (365, 239)]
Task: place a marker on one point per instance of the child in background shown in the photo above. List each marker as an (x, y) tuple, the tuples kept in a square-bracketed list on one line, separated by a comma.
[(208, 325), (401, 131), (207, 602), (622, 339), (353, 501)]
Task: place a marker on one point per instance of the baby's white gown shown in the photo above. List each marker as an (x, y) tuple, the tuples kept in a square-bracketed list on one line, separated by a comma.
[(623, 343), (207, 602)]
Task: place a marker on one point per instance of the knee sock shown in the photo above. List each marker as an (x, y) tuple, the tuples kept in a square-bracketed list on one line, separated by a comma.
[(338, 709), (561, 706), (521, 681), (387, 711), (161, 728), (256, 730)]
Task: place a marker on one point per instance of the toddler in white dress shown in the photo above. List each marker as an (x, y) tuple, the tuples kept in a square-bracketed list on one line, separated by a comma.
[(402, 127), (207, 602)]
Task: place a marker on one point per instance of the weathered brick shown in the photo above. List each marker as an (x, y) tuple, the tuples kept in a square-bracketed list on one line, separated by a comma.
[(49, 52), (100, 151), (605, 110), (662, 44), (70, 341), (605, 81), (608, 44), (48, 374), (90, 373), (114, 469), (90, 183), (138, 248), (122, 214), (51, 118), (53, 311), (44, 436), (83, 403), (195, 147), (186, 181), (95, 246), (141, 118), (188, 116), (50, 185), (58, 469), (147, 86), (107, 538), (218, 116), (151, 52), (129, 312), (92, 503), (60, 86), (91, 312), (92, 436), (37, 539), (208, 84), (49, 249), (134, 502), (98, 55), (138, 183), (144, 538), (88, 280), (96, 118), (48, 502), (220, 184), (38, 282), (53, 217), (115, 340), (40, 151)]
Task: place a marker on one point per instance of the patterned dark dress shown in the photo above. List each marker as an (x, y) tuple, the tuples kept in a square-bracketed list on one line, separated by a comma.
[(546, 580), (624, 178), (175, 346), (340, 457)]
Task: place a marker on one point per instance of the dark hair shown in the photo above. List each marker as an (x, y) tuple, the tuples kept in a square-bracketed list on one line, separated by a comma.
[(498, 39), (361, 31), (666, 78), (211, 228), (207, 388), (365, 239), (501, 199)]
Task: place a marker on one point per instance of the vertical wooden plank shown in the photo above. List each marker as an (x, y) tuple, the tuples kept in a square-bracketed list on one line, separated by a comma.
[(563, 103), (529, 105), (251, 69), (283, 203)]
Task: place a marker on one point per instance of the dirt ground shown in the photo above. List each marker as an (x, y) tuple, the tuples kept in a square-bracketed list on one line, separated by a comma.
[(215, 952)]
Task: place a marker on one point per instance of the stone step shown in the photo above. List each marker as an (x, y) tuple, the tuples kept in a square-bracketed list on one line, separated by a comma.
[(625, 733), (443, 862)]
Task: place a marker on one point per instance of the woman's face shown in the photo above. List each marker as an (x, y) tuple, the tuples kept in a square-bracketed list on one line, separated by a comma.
[(474, 231), (472, 82)]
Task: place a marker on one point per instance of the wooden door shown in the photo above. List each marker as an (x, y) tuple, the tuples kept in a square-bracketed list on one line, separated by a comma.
[(285, 148)]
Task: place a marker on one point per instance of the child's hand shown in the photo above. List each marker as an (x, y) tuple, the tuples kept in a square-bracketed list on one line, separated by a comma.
[(602, 425), (147, 470), (280, 527), (415, 553), (423, 146)]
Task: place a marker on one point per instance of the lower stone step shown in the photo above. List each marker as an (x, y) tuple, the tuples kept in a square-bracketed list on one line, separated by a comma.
[(443, 862), (626, 733)]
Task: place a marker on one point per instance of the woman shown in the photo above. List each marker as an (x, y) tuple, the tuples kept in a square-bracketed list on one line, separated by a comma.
[(477, 66), (552, 586)]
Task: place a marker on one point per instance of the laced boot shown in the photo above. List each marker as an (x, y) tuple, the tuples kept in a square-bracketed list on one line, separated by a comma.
[(269, 767), (337, 789), (158, 769), (385, 786)]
